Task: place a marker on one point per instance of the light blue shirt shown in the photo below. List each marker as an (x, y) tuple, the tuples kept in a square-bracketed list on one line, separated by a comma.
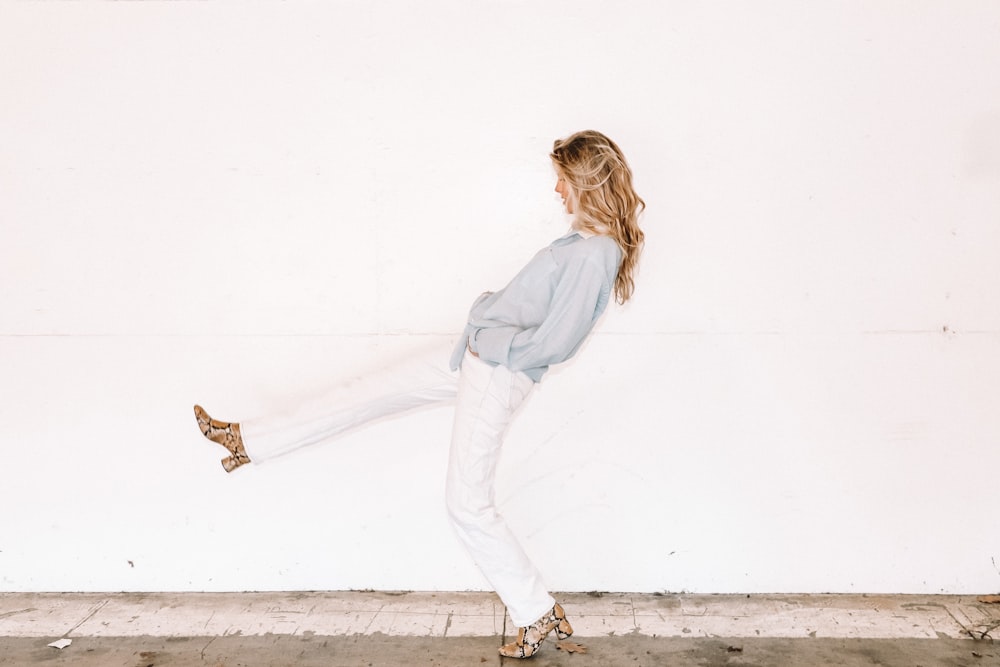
[(545, 313)]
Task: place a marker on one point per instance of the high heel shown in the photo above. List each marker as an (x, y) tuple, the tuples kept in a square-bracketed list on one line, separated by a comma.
[(231, 463), (564, 630), (530, 638), (226, 434)]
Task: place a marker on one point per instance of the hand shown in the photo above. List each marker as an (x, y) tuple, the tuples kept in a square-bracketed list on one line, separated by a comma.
[(471, 351)]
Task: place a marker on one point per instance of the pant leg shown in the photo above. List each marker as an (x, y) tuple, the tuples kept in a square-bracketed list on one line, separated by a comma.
[(419, 381), (488, 396)]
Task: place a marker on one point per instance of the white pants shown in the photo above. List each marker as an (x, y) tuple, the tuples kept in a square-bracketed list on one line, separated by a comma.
[(486, 399)]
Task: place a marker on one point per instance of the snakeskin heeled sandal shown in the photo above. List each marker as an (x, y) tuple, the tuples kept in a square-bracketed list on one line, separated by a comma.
[(226, 434), (530, 638)]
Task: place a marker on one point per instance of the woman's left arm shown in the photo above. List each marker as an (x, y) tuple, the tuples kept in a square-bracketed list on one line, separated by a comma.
[(578, 299)]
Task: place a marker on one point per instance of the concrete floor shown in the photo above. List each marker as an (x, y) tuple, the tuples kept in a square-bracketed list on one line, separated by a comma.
[(442, 629)]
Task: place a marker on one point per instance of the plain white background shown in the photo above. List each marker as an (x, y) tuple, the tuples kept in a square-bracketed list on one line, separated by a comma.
[(237, 203)]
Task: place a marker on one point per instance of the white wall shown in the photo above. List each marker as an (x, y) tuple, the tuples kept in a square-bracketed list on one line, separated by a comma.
[(235, 203)]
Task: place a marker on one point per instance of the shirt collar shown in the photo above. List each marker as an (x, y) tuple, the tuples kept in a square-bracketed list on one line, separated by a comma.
[(582, 232)]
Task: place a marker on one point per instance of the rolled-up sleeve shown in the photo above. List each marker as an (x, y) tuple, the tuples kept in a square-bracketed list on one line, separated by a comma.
[(576, 302)]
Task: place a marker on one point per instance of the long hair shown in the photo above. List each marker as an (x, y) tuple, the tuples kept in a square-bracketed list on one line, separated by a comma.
[(603, 199)]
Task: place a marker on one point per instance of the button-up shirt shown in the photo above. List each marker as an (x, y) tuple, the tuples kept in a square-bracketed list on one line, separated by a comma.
[(545, 313)]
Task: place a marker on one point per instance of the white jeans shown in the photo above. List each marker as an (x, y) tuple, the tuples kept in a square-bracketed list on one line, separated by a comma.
[(486, 399)]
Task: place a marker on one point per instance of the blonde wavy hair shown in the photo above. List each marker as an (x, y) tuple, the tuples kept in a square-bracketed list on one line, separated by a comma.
[(603, 199)]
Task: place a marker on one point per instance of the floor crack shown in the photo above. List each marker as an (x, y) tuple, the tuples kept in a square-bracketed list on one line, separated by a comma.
[(19, 611), (447, 623), (503, 632), (88, 616), (205, 648), (971, 631), (368, 627)]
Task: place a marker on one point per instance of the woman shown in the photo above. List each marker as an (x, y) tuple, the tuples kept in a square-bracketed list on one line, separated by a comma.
[(510, 340)]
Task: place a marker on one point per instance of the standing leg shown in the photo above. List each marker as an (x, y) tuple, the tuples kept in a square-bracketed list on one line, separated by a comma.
[(488, 396)]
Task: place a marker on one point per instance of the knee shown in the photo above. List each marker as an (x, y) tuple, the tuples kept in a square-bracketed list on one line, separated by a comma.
[(464, 510), (457, 510)]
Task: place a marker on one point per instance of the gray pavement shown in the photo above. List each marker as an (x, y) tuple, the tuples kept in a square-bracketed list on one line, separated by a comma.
[(444, 629), (389, 651)]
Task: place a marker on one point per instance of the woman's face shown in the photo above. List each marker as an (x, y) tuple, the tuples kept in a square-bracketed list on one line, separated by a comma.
[(562, 187)]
